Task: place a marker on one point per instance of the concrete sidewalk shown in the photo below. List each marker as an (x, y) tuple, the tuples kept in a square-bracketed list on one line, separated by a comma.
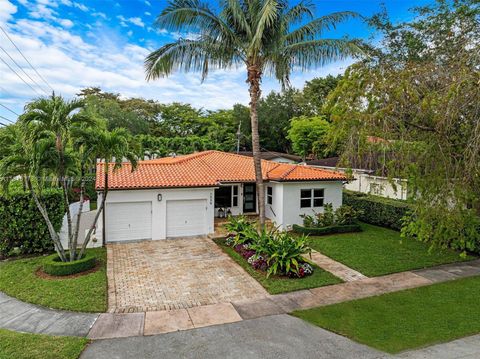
[(23, 317), (280, 336)]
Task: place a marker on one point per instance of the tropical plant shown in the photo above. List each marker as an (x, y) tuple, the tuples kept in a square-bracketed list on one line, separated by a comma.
[(262, 35), (112, 147), (343, 215), (242, 228)]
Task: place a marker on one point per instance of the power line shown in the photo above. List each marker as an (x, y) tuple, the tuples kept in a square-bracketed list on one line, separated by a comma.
[(9, 109), (7, 119), (11, 58), (20, 77), (21, 53)]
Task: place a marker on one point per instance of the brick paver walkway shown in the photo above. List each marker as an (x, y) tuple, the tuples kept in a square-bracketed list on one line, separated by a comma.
[(338, 269), (174, 274)]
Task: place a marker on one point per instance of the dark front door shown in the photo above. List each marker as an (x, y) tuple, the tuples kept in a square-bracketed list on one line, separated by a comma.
[(249, 197)]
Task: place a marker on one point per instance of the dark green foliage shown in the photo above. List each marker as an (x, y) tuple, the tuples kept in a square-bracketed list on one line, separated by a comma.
[(22, 225), (347, 228), (54, 266), (343, 215), (380, 211)]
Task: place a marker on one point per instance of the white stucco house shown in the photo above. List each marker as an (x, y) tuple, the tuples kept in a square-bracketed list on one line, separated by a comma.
[(181, 196), (365, 180)]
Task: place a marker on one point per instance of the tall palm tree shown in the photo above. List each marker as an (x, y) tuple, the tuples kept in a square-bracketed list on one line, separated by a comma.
[(111, 147), (265, 36)]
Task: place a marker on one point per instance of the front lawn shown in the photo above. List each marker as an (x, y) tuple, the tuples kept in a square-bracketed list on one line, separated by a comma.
[(377, 251), (275, 284), (30, 346), (408, 319), (84, 293)]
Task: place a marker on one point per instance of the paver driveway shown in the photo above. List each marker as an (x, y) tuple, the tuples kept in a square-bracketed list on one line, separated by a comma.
[(173, 274)]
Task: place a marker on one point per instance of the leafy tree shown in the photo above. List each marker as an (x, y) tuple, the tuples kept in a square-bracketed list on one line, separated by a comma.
[(308, 136), (312, 98), (274, 114), (420, 94), (262, 35)]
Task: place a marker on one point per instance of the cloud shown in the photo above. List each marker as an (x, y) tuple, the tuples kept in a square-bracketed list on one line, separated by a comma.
[(66, 23), (133, 20), (7, 9), (147, 3), (99, 14), (147, 13)]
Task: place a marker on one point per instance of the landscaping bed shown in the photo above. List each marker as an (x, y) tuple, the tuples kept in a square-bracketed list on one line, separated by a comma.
[(28, 346), (278, 284), (82, 293), (53, 266), (378, 251), (278, 260), (407, 319), (321, 231)]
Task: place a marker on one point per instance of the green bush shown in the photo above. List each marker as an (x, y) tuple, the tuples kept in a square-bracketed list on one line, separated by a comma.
[(343, 215), (53, 266), (315, 231), (22, 227), (376, 210)]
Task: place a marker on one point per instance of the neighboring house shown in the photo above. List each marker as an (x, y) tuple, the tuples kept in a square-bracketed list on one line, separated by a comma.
[(365, 181), (274, 156), (180, 196)]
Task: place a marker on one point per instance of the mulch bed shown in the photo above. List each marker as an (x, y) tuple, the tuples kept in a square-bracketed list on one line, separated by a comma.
[(41, 274)]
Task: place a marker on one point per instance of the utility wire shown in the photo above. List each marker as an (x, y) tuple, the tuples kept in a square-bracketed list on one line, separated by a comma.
[(7, 119), (20, 77), (9, 109), (11, 58), (21, 53)]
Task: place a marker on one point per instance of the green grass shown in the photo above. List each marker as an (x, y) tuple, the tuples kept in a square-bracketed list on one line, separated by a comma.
[(378, 251), (276, 285), (31, 346), (405, 320), (87, 293)]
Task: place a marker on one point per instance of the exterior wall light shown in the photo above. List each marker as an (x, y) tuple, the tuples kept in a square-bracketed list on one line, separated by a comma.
[(159, 197)]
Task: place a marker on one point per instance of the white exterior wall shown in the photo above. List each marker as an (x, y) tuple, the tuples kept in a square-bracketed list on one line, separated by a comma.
[(274, 211), (159, 208), (85, 223), (286, 201), (379, 186)]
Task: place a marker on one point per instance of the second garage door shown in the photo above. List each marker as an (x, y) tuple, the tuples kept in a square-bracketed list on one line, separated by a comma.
[(129, 221), (186, 218)]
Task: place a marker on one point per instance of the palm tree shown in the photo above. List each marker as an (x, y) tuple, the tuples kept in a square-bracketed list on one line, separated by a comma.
[(265, 36), (111, 147), (56, 116)]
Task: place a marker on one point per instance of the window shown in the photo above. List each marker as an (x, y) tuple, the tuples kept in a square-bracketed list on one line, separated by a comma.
[(235, 196), (312, 198), (269, 195), (223, 197)]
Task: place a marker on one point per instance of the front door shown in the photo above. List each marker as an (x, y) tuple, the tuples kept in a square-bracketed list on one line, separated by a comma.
[(249, 197)]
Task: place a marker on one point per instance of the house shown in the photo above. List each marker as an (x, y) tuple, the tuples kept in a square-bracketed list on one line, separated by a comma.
[(180, 196), (365, 180), (274, 156)]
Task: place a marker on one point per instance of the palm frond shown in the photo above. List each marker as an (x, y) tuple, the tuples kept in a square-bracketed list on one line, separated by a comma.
[(315, 28), (309, 54)]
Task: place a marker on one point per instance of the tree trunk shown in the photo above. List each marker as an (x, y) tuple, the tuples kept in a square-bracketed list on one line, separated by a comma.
[(53, 234), (79, 215), (99, 210), (254, 78)]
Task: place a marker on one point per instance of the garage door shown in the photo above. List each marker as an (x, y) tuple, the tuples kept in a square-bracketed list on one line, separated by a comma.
[(186, 218), (129, 221)]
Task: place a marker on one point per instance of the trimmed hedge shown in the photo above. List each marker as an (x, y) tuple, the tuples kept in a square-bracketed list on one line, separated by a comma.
[(22, 227), (384, 212), (346, 228), (53, 266)]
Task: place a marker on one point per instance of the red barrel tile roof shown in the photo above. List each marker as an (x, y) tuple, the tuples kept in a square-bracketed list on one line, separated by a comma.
[(206, 169)]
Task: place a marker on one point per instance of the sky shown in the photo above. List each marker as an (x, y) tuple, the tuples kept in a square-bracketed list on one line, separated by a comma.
[(73, 44)]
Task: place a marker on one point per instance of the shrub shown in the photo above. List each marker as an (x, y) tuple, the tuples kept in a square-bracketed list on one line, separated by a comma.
[(54, 266), (22, 227), (376, 210), (241, 228), (344, 215), (315, 231)]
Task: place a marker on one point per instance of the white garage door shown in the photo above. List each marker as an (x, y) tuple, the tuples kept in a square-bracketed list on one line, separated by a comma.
[(186, 218), (128, 221)]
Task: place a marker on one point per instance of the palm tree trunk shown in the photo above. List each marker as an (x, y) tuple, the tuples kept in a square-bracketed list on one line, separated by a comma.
[(254, 78), (100, 210), (53, 234), (79, 215)]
